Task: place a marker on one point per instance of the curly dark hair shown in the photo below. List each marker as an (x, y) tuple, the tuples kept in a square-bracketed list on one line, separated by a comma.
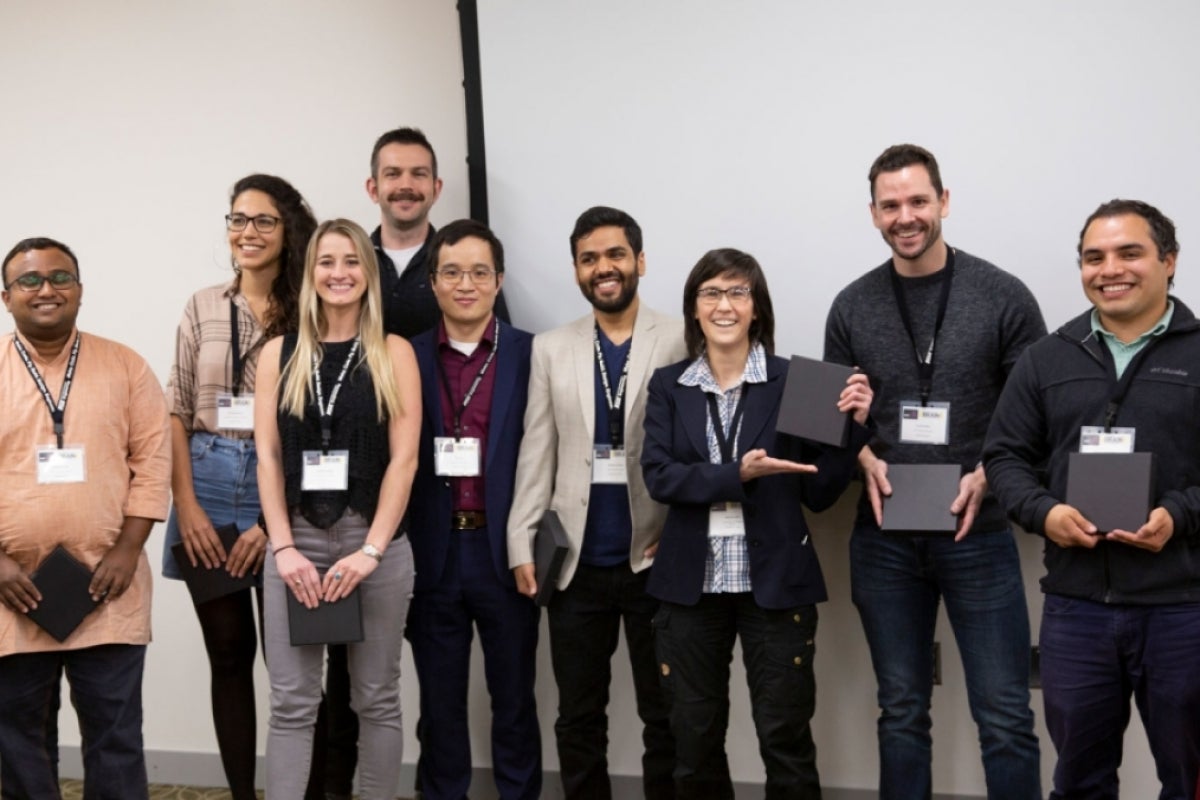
[(298, 226)]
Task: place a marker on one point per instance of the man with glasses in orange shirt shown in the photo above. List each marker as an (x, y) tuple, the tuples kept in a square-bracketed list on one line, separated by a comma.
[(85, 455)]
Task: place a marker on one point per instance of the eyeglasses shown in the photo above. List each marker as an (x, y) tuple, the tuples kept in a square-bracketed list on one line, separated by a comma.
[(263, 223), (711, 295), (475, 275), (32, 281)]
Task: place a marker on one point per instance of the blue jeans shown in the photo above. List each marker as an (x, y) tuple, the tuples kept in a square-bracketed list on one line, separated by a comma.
[(1093, 658), (896, 584), (695, 647), (106, 690), (441, 625), (225, 479)]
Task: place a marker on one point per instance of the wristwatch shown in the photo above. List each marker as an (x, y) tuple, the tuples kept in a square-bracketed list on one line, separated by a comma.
[(372, 551)]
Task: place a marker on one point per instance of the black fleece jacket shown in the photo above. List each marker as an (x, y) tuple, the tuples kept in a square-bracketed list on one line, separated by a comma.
[(1063, 383)]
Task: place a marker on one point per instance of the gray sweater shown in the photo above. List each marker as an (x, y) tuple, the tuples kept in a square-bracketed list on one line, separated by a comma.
[(990, 318)]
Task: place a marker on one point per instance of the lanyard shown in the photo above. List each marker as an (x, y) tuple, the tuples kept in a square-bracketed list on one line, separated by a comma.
[(235, 341), (616, 403), (56, 409), (1120, 388), (735, 422), (326, 412), (924, 363), (458, 412)]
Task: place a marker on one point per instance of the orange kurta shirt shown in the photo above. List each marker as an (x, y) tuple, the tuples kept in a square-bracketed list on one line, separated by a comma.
[(117, 412)]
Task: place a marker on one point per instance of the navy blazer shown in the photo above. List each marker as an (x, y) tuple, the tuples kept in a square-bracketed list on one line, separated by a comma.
[(784, 572), (431, 504)]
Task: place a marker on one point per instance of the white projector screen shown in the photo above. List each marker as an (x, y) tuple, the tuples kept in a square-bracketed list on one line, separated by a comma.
[(753, 125)]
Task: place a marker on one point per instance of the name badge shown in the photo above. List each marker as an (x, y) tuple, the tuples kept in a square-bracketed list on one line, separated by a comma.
[(928, 424), (325, 472), (725, 519), (1094, 439), (235, 413), (457, 458), (67, 465), (608, 464)]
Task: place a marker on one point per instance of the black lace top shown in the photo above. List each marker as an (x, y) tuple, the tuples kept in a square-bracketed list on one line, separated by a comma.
[(355, 428)]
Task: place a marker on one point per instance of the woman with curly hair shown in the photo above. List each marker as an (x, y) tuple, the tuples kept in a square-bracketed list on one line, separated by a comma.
[(214, 477)]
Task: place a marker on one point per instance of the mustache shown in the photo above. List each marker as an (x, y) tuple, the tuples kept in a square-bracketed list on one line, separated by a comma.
[(608, 276), (405, 194)]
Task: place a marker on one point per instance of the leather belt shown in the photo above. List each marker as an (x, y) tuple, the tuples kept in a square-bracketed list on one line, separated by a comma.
[(468, 520)]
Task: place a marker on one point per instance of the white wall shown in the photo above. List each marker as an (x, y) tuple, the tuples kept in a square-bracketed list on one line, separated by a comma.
[(715, 123), (753, 125), (125, 125)]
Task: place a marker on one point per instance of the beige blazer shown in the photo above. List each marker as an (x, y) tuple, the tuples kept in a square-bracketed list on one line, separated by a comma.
[(554, 469)]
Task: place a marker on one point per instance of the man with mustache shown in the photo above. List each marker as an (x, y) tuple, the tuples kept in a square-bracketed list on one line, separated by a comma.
[(938, 331), (581, 457), (404, 183)]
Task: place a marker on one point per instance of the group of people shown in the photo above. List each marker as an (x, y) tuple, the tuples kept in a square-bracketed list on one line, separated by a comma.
[(361, 411)]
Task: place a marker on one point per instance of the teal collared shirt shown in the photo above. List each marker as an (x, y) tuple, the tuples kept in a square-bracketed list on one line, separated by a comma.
[(1123, 353)]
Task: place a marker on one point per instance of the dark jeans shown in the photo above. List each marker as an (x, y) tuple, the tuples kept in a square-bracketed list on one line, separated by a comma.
[(896, 584), (339, 758), (1093, 658), (585, 621), (441, 625), (695, 647), (106, 691)]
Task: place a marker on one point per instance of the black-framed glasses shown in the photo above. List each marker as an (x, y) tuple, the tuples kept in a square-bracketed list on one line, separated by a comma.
[(32, 281), (712, 295), (475, 275), (263, 223)]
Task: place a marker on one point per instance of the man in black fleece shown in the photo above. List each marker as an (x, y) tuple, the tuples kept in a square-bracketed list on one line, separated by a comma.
[(936, 327), (1122, 609)]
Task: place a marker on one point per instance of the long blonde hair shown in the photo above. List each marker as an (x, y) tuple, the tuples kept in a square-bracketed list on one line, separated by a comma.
[(296, 378)]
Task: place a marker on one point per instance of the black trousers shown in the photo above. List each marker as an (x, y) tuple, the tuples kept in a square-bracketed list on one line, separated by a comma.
[(585, 621)]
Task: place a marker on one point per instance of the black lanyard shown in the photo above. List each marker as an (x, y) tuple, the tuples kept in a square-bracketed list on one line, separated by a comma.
[(726, 444), (458, 412), (235, 342), (326, 412), (56, 409), (616, 403), (1120, 388), (925, 362)]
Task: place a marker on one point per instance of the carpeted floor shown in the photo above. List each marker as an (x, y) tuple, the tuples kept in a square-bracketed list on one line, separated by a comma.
[(73, 790)]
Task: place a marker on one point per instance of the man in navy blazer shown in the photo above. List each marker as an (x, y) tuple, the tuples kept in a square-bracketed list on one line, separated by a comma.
[(474, 381)]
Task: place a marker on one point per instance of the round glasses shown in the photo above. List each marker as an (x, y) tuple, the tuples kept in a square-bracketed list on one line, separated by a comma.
[(263, 223), (32, 281)]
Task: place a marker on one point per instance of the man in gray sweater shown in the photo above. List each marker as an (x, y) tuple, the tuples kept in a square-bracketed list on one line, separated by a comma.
[(937, 330)]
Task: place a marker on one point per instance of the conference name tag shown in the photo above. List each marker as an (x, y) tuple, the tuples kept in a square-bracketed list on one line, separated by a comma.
[(235, 413), (65, 465), (1094, 439), (456, 458), (325, 472), (725, 519), (924, 424), (608, 465)]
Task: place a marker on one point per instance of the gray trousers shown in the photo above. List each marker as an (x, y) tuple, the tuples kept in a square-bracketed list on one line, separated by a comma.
[(374, 663)]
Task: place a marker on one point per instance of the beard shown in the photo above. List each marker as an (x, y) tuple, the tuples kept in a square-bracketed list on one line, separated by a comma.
[(614, 305), (932, 232)]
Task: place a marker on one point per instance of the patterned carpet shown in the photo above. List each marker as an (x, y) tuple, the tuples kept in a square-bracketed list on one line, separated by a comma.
[(73, 790)]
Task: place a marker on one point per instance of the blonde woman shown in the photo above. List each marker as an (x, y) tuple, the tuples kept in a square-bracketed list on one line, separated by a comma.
[(338, 384)]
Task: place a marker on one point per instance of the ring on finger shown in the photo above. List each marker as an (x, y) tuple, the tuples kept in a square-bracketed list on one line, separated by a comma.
[(337, 576)]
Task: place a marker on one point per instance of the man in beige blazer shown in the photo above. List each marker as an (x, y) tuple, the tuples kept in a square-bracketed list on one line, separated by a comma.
[(581, 457)]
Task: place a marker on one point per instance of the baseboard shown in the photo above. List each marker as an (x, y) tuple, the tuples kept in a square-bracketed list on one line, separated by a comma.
[(204, 769)]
